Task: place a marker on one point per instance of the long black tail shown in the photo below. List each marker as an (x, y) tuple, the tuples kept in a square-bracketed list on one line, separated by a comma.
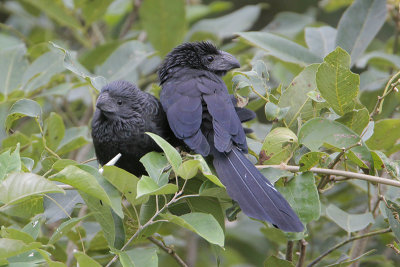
[(256, 196)]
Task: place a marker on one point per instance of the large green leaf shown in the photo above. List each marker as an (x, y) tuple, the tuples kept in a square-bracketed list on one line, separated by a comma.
[(225, 26), (348, 222), (205, 225), (9, 162), (65, 227), (386, 135), (92, 10), (289, 24), (139, 257), (12, 247), (164, 22), (278, 146), (319, 131), (356, 120), (125, 182), (336, 83), (68, 201), (394, 60), (155, 163), (321, 40), (111, 224), (12, 66), (18, 187), (295, 97), (12, 233), (207, 205), (85, 261), (281, 48), (54, 130), (359, 25), (23, 108), (147, 186), (74, 138), (170, 152), (57, 11), (302, 195)]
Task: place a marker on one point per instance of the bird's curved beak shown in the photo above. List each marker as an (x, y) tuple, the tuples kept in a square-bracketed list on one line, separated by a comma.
[(104, 103), (228, 62)]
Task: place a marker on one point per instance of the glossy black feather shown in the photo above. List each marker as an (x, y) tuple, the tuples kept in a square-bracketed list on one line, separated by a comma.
[(191, 82)]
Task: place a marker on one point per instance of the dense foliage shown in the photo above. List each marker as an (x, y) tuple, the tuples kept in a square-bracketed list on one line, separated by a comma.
[(324, 85)]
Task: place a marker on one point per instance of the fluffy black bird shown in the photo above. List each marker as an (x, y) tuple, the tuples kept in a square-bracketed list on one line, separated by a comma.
[(123, 114), (200, 113)]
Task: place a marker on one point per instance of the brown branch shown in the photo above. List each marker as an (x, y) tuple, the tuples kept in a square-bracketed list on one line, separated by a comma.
[(168, 250), (323, 255), (131, 18), (289, 251), (303, 246)]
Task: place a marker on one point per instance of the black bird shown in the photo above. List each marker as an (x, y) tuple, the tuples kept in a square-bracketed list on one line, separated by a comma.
[(123, 114), (201, 113)]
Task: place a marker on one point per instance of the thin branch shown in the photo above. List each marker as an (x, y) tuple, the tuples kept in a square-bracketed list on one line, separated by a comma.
[(390, 86), (168, 250), (351, 175), (131, 18), (303, 246), (318, 259), (289, 251)]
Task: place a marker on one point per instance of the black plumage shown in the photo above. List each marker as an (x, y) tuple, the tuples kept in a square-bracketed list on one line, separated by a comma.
[(200, 112), (123, 114)]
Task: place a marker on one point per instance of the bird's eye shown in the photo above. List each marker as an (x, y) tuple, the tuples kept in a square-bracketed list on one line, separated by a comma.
[(119, 102), (210, 58)]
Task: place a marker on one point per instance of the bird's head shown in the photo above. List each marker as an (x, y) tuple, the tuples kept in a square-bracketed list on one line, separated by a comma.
[(117, 100), (198, 55)]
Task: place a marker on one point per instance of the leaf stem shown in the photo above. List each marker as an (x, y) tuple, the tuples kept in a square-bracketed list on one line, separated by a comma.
[(390, 86), (319, 258), (303, 246), (289, 251), (169, 250)]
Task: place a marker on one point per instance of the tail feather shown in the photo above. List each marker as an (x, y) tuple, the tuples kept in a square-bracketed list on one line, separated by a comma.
[(256, 196)]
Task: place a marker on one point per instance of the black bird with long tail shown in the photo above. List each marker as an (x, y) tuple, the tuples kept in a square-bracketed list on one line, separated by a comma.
[(200, 112)]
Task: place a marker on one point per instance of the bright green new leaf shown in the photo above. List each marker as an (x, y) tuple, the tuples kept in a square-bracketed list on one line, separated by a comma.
[(138, 257), (147, 186), (9, 162), (164, 22), (13, 247), (278, 146), (64, 228), (349, 222), (155, 164), (189, 169), (85, 261), (336, 83), (205, 225), (18, 187), (206, 171), (23, 108), (381, 140), (310, 159), (302, 195), (281, 48), (12, 233), (170, 152)]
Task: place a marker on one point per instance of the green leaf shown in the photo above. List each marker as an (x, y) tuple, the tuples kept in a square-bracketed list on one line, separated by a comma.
[(198, 11), (34, 226), (57, 11), (125, 61), (147, 186), (336, 83), (16, 234), (349, 262), (273, 261), (226, 26), (155, 163), (42, 70), (18, 187), (205, 225), (205, 170), (12, 247), (46, 255), (256, 78), (52, 210), (359, 25), (9, 162), (139, 257), (273, 112), (111, 224), (389, 59), (170, 152), (310, 159), (65, 227), (86, 182), (289, 24), (85, 261), (54, 130), (348, 222), (302, 195), (381, 140), (273, 174), (281, 48), (278, 146), (23, 108), (319, 131), (92, 10), (72, 64), (321, 40), (164, 22), (356, 120), (189, 169), (295, 97), (207, 205), (12, 66), (74, 138), (382, 161), (125, 182), (393, 213)]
